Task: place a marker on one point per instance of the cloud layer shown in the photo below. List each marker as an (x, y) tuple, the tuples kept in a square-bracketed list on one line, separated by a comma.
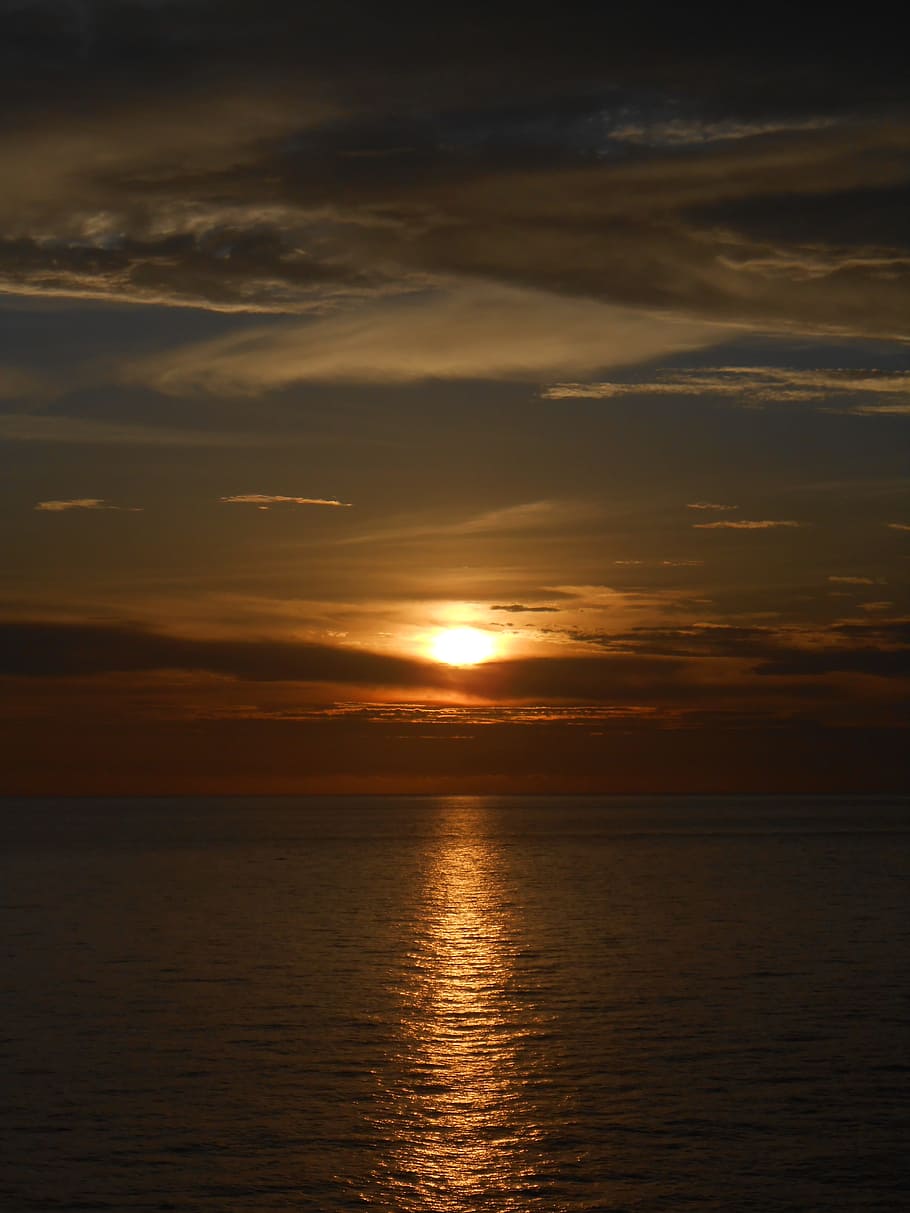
[(275, 161)]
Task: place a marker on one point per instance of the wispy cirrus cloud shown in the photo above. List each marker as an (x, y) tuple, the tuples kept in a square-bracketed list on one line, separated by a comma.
[(527, 517), (710, 505), (866, 392), (857, 580), (898, 526), (748, 524), (264, 501), (467, 331), (84, 503)]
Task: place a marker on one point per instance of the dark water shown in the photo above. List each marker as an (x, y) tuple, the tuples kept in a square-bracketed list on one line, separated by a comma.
[(454, 1004)]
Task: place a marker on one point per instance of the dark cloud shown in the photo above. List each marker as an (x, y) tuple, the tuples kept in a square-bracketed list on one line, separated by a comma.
[(641, 660), (887, 633), (218, 266), (67, 650), (53, 651), (882, 650), (878, 662), (618, 678), (320, 155)]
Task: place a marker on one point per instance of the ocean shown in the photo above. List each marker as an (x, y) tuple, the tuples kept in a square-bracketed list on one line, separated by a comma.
[(455, 1003)]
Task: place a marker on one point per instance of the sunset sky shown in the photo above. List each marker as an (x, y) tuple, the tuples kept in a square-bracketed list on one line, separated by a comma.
[(325, 330)]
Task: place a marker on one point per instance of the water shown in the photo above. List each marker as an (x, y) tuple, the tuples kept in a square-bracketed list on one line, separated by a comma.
[(450, 1004)]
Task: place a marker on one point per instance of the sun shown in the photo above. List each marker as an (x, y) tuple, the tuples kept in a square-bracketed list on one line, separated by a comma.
[(462, 646)]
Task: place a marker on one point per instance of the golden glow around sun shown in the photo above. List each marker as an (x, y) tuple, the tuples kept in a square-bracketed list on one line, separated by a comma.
[(462, 646)]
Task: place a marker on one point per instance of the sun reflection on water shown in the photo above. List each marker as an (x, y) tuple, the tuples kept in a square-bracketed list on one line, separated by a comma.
[(456, 1113)]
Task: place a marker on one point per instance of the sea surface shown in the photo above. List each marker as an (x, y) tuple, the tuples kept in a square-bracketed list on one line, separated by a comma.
[(446, 1004)]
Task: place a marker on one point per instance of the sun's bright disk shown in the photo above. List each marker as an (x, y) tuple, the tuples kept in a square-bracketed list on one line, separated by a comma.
[(462, 646)]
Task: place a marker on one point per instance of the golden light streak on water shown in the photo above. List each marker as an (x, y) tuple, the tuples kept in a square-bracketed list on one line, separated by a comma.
[(458, 1121)]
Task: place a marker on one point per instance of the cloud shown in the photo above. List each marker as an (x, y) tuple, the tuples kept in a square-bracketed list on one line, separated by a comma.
[(764, 524), (305, 166), (436, 716), (518, 608), (878, 649), (470, 331), (659, 130), (671, 231), (669, 563), (264, 500), (895, 409), (898, 526), (709, 505), (838, 390), (876, 663), (131, 674), (529, 517), (84, 503), (856, 580), (68, 649)]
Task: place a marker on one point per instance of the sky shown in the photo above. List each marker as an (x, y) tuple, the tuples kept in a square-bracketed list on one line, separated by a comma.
[(328, 330)]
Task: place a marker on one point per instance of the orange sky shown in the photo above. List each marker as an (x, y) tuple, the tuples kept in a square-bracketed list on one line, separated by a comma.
[(321, 338)]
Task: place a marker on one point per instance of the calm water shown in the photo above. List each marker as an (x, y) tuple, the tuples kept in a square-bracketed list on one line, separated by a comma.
[(454, 1004)]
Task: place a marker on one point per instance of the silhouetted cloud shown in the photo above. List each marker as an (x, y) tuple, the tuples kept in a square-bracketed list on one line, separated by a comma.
[(881, 664), (875, 647), (65, 650)]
